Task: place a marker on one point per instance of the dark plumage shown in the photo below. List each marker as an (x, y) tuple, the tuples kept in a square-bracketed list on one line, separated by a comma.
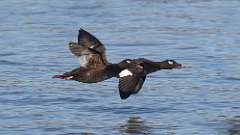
[(136, 71), (94, 66)]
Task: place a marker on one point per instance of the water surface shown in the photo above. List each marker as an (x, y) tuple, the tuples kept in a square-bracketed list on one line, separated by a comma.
[(201, 99)]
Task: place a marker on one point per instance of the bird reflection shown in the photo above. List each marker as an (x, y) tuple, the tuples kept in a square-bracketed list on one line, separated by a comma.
[(134, 125), (235, 128)]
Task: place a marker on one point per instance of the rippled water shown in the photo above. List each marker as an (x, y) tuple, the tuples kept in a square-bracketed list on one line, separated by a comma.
[(202, 99)]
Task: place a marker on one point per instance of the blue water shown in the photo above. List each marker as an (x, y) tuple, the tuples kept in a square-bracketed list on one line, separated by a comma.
[(201, 99)]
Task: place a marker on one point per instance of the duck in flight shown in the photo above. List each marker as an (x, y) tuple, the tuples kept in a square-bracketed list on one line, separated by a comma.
[(94, 66)]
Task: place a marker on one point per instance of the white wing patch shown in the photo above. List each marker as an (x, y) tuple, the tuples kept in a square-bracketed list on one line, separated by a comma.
[(128, 61), (84, 60), (170, 62), (125, 72)]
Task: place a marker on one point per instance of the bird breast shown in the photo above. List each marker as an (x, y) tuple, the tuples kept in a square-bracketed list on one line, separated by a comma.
[(83, 60)]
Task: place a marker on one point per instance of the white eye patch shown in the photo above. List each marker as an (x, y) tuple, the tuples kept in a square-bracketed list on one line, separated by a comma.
[(128, 61), (170, 62), (125, 72), (92, 46)]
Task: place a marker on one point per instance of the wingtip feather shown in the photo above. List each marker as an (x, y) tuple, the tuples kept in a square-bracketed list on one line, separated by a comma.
[(124, 95)]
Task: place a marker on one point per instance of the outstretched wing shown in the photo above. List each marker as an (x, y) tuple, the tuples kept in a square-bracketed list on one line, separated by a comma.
[(130, 82), (88, 40), (90, 50), (77, 49), (87, 57)]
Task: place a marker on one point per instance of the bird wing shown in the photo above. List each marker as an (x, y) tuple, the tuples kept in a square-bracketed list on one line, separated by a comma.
[(130, 82), (87, 58), (89, 50), (89, 41)]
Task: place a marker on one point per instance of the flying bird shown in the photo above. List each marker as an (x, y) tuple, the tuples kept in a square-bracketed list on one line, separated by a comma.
[(94, 66)]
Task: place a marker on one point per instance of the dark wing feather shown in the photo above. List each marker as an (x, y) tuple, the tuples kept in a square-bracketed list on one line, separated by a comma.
[(127, 86), (89, 41), (130, 85), (89, 49), (78, 50), (87, 57)]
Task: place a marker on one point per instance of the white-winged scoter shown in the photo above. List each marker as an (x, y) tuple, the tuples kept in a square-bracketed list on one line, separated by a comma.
[(94, 66)]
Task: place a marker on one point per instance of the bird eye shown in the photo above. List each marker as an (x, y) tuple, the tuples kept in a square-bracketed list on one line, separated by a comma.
[(170, 62)]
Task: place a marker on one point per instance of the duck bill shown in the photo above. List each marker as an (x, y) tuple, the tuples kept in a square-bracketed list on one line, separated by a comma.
[(63, 77), (179, 66)]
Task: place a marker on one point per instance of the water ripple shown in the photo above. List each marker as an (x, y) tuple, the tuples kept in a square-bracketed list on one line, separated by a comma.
[(202, 98), (11, 63)]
